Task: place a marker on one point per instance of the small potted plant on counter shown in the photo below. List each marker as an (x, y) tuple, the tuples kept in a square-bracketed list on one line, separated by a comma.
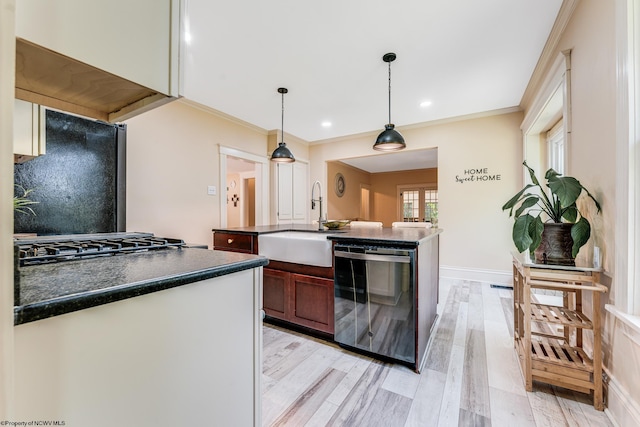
[(21, 202), (558, 239)]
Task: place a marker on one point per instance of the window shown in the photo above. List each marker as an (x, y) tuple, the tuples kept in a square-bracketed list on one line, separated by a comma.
[(556, 148), (419, 204), (411, 205), (431, 205)]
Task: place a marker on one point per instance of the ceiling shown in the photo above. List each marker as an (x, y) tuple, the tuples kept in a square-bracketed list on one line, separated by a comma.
[(398, 161), (464, 57)]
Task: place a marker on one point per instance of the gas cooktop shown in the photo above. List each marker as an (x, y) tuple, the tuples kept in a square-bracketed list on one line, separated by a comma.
[(47, 249)]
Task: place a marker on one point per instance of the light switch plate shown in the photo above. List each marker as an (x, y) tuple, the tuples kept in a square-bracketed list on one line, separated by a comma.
[(211, 190)]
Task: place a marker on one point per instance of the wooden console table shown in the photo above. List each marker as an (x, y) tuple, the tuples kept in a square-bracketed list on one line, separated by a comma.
[(549, 338)]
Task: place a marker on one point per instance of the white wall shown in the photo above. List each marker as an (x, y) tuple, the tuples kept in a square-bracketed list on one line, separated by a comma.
[(591, 36), (172, 156), (476, 241)]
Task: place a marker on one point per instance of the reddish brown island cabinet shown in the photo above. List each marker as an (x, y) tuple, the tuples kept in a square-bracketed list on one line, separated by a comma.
[(235, 242), (301, 295)]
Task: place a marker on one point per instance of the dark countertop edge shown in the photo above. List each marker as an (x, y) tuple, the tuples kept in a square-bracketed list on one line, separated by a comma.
[(379, 242), (70, 303), (374, 240), (269, 229)]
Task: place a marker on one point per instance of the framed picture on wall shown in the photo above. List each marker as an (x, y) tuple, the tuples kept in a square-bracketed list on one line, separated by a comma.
[(339, 185)]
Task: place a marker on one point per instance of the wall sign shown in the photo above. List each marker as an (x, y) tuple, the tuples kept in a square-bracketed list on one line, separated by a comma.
[(477, 175)]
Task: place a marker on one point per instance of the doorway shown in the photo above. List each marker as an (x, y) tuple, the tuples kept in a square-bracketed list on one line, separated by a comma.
[(365, 202), (249, 185), (240, 186), (244, 191)]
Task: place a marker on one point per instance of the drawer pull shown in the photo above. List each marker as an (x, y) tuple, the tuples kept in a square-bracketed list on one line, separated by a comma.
[(229, 241)]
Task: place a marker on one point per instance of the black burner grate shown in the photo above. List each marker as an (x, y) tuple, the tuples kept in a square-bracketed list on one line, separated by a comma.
[(48, 250)]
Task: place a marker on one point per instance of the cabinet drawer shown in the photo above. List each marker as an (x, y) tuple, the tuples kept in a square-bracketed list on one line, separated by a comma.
[(233, 242)]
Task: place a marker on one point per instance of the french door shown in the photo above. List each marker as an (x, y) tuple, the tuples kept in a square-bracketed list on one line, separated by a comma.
[(418, 203)]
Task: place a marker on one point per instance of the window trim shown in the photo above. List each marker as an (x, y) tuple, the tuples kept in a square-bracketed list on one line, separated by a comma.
[(552, 103), (627, 213)]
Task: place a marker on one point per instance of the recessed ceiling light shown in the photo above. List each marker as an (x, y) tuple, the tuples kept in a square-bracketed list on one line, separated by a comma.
[(326, 124), (424, 104)]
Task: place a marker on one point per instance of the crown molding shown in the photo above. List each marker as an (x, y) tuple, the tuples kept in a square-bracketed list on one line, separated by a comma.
[(549, 52), (222, 115), (374, 134)]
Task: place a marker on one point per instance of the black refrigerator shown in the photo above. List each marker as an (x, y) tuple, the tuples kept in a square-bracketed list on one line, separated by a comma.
[(80, 183)]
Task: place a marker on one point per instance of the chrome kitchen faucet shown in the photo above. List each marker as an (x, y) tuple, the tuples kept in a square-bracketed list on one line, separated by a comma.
[(319, 200)]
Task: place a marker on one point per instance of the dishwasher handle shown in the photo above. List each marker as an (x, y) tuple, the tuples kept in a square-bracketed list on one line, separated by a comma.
[(374, 257)]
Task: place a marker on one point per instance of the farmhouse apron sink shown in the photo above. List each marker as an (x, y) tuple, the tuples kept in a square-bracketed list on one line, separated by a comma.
[(308, 248)]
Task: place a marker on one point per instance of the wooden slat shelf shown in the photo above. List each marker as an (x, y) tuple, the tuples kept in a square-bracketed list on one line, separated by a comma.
[(560, 315), (561, 354), (558, 358)]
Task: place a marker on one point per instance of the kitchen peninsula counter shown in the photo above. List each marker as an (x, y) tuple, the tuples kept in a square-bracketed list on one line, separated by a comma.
[(54, 289), (147, 338)]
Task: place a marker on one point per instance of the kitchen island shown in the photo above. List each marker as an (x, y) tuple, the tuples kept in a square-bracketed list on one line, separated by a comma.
[(169, 337), (306, 296)]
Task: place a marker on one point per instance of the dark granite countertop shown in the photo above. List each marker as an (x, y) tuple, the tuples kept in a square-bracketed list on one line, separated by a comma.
[(266, 229), (409, 237), (53, 289), (403, 237)]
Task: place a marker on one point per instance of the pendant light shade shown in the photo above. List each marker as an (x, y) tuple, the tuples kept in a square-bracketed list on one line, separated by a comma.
[(282, 154), (390, 139)]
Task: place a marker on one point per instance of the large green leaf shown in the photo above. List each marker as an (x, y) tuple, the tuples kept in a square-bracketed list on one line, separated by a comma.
[(570, 214), (580, 233), (515, 199), (551, 174), (566, 188), (520, 234), (536, 227), (532, 174), (526, 204)]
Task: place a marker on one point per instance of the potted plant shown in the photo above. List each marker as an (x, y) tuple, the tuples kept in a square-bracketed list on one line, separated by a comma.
[(21, 203), (560, 237)]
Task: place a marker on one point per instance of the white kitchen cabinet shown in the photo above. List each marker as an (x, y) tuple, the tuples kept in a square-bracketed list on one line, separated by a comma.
[(28, 130), (300, 200), (284, 176), (292, 192), (135, 41)]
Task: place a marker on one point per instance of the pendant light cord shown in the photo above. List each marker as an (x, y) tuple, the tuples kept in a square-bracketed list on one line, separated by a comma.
[(389, 92), (282, 122)]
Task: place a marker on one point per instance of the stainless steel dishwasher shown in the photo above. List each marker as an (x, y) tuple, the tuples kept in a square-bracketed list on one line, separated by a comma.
[(375, 300)]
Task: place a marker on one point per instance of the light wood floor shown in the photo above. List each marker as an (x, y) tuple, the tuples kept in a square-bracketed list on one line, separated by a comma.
[(471, 377)]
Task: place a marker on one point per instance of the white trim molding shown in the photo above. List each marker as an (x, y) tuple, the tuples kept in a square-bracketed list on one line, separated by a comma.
[(262, 183), (627, 233), (623, 408)]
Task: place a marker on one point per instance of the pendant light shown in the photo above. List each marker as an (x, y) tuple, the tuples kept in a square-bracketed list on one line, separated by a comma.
[(390, 139), (282, 154)]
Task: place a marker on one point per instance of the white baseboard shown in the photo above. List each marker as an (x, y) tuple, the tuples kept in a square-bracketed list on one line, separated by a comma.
[(480, 275), (622, 409)]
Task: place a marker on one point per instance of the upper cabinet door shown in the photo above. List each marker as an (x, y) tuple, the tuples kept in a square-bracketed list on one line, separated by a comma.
[(285, 191), (300, 184), (28, 130), (133, 39)]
